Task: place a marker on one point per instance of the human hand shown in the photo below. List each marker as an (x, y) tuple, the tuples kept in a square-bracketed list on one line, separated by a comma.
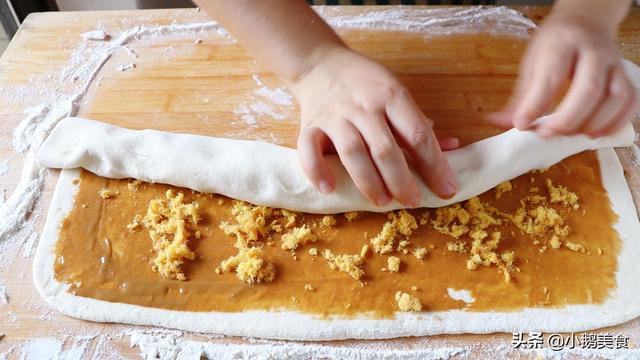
[(357, 108), (576, 44)]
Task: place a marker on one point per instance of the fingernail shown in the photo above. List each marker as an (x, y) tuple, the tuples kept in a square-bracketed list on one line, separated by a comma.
[(325, 187), (448, 190), (595, 135), (413, 201), (546, 133), (383, 199), (453, 143)]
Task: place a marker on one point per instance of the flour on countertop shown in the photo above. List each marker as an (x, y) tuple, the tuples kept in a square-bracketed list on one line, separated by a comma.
[(4, 170), (98, 35), (171, 347), (636, 153), (438, 21), (125, 67), (263, 103), (85, 64), (4, 295), (41, 348)]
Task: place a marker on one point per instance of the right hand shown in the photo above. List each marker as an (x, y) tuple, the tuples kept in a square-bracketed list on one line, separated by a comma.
[(357, 108)]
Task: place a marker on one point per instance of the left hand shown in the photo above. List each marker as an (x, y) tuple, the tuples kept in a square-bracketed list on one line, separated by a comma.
[(579, 47)]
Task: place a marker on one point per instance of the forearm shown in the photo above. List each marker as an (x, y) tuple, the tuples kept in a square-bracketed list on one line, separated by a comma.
[(606, 13), (286, 36)]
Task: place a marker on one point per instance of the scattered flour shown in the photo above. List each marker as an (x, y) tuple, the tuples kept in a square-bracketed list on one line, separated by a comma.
[(261, 104), (41, 349), (4, 170), (85, 64), (438, 21), (125, 67), (605, 354), (4, 295), (97, 35), (164, 346), (279, 95), (636, 153), (461, 295)]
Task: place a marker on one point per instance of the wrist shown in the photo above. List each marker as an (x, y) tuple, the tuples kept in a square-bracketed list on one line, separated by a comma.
[(320, 55), (605, 15)]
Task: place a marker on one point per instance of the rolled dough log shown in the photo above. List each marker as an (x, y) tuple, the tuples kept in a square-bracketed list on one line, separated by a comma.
[(268, 174)]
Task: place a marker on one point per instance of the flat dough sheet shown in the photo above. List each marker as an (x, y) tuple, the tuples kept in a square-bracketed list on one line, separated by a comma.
[(621, 306)]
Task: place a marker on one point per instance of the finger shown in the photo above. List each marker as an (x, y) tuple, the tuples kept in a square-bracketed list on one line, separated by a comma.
[(415, 133), (618, 99), (627, 115), (356, 159), (388, 158), (312, 159), (547, 77), (448, 143), (586, 92), (504, 117)]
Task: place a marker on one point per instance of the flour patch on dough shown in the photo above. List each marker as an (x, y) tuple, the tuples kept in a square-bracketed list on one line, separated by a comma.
[(461, 295)]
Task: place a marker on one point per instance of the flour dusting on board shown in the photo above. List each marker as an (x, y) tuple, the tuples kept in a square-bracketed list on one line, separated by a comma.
[(4, 295), (265, 103), (439, 21), (171, 347)]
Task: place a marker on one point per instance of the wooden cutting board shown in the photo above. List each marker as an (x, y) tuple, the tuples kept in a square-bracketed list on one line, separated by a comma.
[(183, 86)]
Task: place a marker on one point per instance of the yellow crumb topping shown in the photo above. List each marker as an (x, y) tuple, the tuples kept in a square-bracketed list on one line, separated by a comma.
[(383, 242), (329, 220), (133, 185), (555, 242), (424, 219), (352, 215), (313, 251), (286, 221), (403, 222), (350, 264), (250, 266), (296, 237), (575, 247), (420, 253), (400, 222), (251, 223), (402, 245), (457, 246), (364, 251), (560, 194), (135, 223), (502, 188), (393, 263), (407, 302), (169, 222), (106, 193), (308, 287)]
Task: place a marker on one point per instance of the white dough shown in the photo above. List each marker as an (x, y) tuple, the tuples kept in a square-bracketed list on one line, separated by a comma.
[(621, 306), (270, 175)]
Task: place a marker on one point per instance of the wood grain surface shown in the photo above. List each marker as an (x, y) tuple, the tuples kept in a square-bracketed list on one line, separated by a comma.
[(183, 86)]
